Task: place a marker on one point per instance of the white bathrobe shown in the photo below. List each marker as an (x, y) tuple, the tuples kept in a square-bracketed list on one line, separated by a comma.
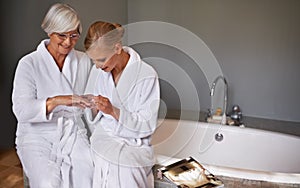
[(54, 149), (121, 149)]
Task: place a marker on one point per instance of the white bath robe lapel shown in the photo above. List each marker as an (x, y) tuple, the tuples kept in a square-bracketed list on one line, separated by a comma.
[(126, 142), (37, 77)]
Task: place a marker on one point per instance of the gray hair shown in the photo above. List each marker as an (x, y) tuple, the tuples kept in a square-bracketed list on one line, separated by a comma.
[(61, 18)]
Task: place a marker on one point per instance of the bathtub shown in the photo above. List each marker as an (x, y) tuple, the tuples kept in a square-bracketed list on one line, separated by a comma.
[(229, 150)]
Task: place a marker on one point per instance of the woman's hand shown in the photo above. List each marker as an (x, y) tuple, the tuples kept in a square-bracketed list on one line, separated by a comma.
[(80, 102), (67, 100), (103, 104)]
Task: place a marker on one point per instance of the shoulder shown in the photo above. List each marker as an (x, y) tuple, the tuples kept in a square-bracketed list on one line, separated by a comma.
[(148, 70), (29, 60), (145, 69), (34, 57), (84, 62), (27, 66), (81, 56)]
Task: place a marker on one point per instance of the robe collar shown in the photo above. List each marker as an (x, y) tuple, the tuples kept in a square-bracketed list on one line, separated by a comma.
[(129, 77), (68, 74)]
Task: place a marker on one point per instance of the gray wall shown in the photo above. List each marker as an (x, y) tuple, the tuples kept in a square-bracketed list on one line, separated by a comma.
[(21, 33), (256, 43)]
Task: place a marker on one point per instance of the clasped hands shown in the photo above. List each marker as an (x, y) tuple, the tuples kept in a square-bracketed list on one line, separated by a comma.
[(90, 101), (98, 103)]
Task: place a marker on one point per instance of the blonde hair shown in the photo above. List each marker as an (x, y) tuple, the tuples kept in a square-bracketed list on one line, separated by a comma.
[(61, 18), (103, 33)]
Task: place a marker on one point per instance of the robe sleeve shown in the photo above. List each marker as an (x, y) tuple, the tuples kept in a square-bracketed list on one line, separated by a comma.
[(90, 89), (141, 120), (26, 106)]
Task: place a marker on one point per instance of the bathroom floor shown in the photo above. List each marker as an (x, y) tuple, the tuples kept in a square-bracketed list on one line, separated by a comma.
[(236, 183), (11, 176), (244, 183)]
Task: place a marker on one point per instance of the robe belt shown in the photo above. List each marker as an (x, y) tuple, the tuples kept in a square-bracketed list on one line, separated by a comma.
[(60, 155), (137, 142)]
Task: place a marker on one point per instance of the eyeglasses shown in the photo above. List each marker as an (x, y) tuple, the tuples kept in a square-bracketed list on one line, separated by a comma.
[(63, 36)]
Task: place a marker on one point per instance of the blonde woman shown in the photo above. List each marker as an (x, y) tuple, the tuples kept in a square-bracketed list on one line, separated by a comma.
[(51, 138), (125, 93)]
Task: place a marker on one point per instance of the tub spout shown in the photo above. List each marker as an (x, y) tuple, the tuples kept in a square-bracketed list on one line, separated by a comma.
[(212, 91)]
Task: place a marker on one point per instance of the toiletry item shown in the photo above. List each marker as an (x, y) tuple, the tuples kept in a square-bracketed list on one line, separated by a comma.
[(217, 117), (218, 120), (210, 120), (218, 111)]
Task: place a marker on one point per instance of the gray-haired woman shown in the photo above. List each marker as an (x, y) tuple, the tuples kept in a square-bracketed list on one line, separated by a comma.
[(51, 138)]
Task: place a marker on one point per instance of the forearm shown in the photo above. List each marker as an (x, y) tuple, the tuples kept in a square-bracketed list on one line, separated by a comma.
[(50, 105), (53, 102), (67, 100), (116, 113)]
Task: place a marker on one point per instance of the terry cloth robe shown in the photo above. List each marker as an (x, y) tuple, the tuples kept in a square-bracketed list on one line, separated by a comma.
[(122, 153), (54, 149)]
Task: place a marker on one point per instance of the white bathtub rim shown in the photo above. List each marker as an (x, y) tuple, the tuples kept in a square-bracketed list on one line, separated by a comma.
[(276, 177), (220, 128)]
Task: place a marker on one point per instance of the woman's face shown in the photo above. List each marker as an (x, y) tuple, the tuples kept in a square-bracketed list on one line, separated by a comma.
[(103, 58), (63, 43)]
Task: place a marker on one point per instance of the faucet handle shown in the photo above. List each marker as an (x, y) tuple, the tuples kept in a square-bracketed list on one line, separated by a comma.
[(208, 114), (236, 108), (236, 114)]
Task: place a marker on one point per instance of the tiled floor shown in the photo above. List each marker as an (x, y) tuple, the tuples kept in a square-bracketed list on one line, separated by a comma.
[(11, 175), (244, 183), (234, 183)]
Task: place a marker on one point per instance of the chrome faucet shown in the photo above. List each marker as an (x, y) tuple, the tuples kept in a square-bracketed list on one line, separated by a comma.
[(212, 91)]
